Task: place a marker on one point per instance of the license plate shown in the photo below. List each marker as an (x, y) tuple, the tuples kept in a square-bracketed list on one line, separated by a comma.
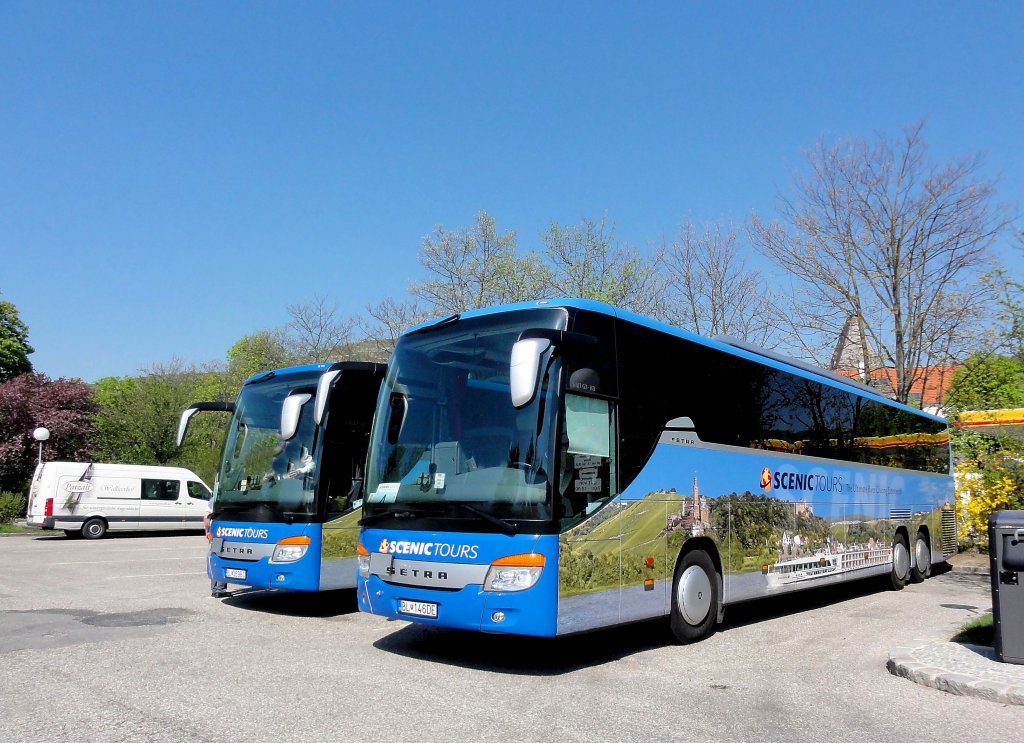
[(417, 608), (234, 573)]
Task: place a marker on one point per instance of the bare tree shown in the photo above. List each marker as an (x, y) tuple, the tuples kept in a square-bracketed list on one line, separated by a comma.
[(878, 232), (473, 268), (587, 261), (316, 332), (709, 288), (388, 319)]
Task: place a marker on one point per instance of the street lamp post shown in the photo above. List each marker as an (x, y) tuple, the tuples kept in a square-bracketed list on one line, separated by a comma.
[(41, 434)]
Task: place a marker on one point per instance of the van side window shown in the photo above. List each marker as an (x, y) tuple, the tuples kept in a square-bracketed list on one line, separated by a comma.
[(198, 491), (160, 489)]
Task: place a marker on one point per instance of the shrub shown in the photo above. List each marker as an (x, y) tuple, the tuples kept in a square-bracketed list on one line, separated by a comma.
[(980, 491), (12, 506)]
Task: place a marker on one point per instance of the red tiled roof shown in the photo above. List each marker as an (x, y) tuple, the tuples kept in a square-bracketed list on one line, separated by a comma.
[(932, 383)]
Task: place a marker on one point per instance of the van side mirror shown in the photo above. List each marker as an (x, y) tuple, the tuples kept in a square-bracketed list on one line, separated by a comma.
[(290, 412), (524, 367)]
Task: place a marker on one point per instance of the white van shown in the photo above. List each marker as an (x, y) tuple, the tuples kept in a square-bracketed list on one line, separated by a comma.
[(88, 499)]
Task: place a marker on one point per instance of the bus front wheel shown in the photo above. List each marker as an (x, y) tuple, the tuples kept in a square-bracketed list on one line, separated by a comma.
[(694, 597), (94, 528), (900, 563)]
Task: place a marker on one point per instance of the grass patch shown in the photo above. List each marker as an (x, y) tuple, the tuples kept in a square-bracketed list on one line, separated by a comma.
[(17, 529), (978, 631)]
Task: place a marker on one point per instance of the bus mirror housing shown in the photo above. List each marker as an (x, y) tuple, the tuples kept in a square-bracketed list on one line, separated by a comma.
[(399, 407), (323, 389), (186, 416), (290, 412), (196, 407), (524, 367)]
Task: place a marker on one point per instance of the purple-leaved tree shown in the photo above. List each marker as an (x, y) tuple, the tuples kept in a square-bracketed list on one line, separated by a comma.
[(64, 406)]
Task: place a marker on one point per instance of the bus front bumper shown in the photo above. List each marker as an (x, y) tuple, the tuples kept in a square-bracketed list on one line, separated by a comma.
[(301, 575), (528, 612)]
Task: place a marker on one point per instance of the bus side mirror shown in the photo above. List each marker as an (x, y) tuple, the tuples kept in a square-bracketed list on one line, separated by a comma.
[(323, 389), (290, 412), (186, 416), (197, 407), (524, 366), (399, 407)]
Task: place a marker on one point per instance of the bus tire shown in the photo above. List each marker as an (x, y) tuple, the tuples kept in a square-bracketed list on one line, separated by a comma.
[(922, 566), (694, 598), (900, 563), (94, 528)]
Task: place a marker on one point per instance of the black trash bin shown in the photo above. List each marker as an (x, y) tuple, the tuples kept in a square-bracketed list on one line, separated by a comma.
[(1006, 558)]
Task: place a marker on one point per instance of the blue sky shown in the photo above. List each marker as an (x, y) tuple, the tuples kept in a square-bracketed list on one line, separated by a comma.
[(172, 175)]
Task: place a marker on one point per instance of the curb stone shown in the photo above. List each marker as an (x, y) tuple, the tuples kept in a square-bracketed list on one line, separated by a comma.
[(965, 670)]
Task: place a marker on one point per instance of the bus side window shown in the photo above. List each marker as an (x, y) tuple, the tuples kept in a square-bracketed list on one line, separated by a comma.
[(588, 466)]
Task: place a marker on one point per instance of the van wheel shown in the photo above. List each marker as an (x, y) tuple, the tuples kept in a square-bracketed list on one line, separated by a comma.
[(922, 559), (694, 598), (900, 563), (94, 528), (72, 533)]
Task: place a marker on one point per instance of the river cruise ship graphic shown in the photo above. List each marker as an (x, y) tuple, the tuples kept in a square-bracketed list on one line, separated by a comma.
[(823, 564)]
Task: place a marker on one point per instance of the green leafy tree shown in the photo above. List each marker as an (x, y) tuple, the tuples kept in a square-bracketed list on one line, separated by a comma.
[(138, 417), (476, 267), (257, 352), (586, 260), (988, 382), (14, 347)]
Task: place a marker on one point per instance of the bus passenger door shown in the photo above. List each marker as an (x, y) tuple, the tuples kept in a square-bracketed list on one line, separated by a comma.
[(589, 570)]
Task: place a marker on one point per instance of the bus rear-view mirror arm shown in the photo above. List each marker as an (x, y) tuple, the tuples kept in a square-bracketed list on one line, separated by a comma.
[(197, 407)]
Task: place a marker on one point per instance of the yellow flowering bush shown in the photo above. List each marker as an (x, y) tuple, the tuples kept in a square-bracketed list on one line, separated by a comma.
[(979, 492)]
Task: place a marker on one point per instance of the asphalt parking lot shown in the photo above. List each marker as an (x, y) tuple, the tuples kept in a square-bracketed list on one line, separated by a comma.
[(118, 640)]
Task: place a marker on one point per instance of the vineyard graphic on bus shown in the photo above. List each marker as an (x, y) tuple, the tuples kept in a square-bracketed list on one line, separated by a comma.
[(787, 530)]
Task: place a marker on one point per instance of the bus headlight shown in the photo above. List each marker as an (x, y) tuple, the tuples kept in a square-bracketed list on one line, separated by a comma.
[(290, 549), (363, 561), (514, 573)]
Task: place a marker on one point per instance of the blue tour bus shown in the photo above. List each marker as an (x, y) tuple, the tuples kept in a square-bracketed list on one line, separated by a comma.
[(287, 495), (553, 467)]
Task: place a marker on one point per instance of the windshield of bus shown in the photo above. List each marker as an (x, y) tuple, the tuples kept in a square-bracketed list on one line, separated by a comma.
[(259, 470), (447, 440)]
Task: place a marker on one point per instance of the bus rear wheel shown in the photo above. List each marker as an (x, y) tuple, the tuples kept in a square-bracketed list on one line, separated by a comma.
[(694, 598), (900, 563), (94, 528), (922, 559)]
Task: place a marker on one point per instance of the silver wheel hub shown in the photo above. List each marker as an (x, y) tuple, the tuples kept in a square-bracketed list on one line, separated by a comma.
[(693, 595), (900, 560), (922, 555)]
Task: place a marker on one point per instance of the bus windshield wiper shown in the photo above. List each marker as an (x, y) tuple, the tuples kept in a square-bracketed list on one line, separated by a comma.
[(506, 526), (373, 518), (242, 507), (285, 517)]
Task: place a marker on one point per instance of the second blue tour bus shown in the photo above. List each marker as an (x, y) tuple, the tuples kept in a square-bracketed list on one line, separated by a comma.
[(287, 495)]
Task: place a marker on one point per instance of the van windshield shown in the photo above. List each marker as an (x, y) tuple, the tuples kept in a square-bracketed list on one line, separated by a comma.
[(259, 469)]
